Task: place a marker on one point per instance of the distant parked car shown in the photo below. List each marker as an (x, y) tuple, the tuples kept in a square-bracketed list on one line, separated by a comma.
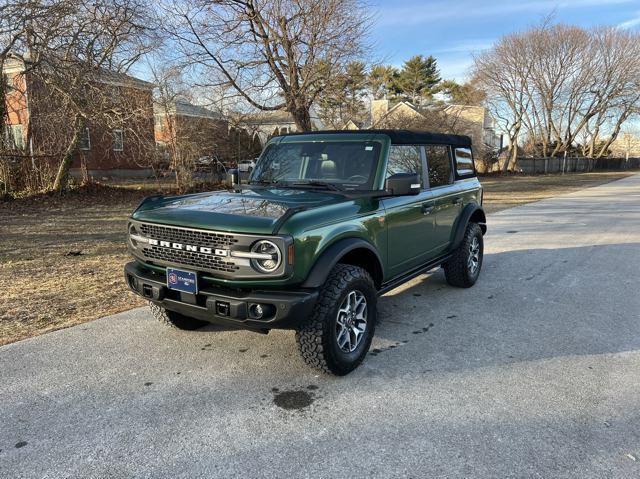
[(210, 163), (246, 166)]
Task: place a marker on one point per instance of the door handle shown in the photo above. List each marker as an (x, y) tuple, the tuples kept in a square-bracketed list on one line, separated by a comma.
[(457, 201), (427, 208)]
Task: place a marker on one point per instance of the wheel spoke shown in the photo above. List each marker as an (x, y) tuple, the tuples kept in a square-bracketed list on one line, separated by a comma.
[(343, 337), (356, 335)]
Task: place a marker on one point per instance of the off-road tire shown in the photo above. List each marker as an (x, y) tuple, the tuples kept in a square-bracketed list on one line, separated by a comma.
[(316, 337), (456, 269), (175, 320)]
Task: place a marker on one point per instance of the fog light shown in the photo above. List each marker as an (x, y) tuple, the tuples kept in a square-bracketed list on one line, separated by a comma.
[(256, 311)]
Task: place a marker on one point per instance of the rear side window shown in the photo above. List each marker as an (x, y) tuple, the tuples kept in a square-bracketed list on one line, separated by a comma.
[(404, 159), (439, 165), (464, 162)]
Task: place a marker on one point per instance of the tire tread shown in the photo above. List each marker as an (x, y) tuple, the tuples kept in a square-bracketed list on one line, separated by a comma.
[(174, 320), (455, 269), (312, 337)]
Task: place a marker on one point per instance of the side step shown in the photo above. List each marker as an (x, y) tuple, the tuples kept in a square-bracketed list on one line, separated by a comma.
[(395, 282)]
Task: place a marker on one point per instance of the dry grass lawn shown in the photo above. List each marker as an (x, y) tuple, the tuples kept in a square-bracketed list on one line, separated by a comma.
[(502, 192), (61, 258)]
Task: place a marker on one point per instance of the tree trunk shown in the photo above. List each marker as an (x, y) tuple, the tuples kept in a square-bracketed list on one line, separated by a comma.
[(512, 159), (614, 134), (62, 177), (302, 117)]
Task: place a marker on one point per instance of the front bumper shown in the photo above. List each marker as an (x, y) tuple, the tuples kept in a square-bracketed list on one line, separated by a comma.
[(283, 309)]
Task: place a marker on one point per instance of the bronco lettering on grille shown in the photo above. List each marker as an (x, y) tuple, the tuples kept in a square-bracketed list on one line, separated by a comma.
[(188, 247)]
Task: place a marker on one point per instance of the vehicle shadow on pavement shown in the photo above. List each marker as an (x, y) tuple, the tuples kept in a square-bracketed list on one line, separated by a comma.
[(527, 305)]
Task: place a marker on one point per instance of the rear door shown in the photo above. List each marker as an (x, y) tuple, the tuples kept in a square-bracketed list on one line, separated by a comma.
[(447, 198), (409, 218)]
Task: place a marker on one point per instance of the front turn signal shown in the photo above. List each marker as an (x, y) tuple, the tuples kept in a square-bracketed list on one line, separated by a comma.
[(290, 254)]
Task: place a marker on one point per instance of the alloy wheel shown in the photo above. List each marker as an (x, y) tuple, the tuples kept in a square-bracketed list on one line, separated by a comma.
[(473, 262), (351, 321)]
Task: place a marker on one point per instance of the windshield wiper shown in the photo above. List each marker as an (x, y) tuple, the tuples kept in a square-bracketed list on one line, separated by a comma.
[(263, 182), (321, 184)]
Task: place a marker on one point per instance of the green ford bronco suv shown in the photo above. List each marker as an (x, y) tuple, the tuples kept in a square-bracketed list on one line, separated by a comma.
[(326, 223)]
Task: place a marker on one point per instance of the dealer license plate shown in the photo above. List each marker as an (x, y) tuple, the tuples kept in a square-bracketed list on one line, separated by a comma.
[(180, 280)]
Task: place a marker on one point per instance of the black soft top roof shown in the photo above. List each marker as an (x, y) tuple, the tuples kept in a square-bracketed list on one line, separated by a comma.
[(402, 137)]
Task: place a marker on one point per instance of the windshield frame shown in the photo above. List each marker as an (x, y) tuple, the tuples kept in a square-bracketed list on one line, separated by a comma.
[(377, 172)]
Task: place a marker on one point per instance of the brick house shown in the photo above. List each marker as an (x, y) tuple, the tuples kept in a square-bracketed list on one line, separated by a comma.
[(38, 126)]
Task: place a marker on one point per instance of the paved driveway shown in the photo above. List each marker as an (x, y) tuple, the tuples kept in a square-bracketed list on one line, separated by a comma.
[(535, 372)]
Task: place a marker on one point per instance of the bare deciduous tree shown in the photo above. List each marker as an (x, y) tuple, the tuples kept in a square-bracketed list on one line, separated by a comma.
[(558, 85), (276, 54)]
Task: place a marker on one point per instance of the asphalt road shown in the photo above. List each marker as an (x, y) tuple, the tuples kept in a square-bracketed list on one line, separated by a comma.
[(534, 372)]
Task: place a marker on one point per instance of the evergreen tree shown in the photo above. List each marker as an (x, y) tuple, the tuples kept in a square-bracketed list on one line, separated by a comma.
[(461, 94), (418, 78), (382, 81), (344, 95)]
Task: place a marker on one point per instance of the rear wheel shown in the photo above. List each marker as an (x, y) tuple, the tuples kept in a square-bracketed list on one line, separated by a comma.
[(175, 320), (339, 333), (463, 268)]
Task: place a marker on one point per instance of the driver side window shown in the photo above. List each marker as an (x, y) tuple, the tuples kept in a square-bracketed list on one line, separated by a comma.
[(404, 159)]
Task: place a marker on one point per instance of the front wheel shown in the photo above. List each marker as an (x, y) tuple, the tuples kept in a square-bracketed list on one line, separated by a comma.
[(339, 333), (463, 268)]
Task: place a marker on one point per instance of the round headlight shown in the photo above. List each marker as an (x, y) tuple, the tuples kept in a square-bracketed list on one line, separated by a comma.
[(133, 232), (272, 256)]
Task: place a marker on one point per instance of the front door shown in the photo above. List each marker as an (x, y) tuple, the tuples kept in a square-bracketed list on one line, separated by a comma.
[(410, 220)]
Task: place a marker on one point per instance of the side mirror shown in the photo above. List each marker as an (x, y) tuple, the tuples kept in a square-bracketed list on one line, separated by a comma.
[(402, 184), (232, 178)]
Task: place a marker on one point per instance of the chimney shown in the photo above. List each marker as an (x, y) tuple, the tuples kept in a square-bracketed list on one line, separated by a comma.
[(379, 109)]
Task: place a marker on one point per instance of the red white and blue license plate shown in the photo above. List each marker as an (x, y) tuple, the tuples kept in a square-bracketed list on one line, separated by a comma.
[(180, 280)]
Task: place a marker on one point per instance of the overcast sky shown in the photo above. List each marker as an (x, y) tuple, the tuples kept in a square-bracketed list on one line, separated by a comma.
[(452, 30)]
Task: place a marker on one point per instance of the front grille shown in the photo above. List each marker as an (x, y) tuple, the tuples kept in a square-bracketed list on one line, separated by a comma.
[(190, 258), (196, 238), (220, 264), (193, 259)]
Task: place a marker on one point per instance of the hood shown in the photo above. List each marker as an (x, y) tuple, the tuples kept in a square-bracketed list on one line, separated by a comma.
[(251, 210)]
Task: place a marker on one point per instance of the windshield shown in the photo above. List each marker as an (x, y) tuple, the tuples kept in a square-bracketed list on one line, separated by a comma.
[(349, 165)]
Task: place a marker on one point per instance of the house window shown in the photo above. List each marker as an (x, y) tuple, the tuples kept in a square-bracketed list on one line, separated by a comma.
[(404, 159), (84, 142), (9, 81), (118, 140), (14, 138), (439, 165)]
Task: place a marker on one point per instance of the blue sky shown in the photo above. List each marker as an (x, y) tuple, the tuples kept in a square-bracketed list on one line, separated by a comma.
[(452, 30)]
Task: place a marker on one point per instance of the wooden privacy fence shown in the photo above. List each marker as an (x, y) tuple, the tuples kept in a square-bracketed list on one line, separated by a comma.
[(574, 164)]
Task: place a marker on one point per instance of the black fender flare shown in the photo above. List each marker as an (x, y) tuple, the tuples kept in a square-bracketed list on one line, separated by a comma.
[(463, 220), (330, 257)]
